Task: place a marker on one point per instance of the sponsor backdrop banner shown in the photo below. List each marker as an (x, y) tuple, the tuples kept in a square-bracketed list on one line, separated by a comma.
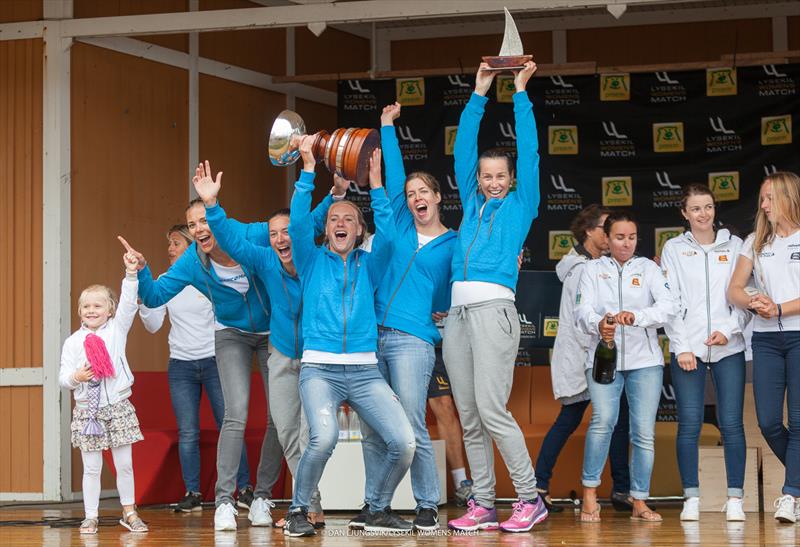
[(623, 140)]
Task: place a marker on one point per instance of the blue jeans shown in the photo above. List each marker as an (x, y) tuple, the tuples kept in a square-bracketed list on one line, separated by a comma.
[(728, 376), (322, 389), (186, 382), (643, 391), (406, 362), (565, 425), (776, 374)]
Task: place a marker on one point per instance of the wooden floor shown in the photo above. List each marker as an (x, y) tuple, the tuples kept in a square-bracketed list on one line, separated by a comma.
[(168, 528)]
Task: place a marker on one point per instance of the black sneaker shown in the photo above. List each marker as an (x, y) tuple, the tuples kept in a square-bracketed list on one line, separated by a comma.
[(621, 502), (548, 502), (386, 520), (358, 521), (297, 524), (190, 502), (426, 520), (245, 498)]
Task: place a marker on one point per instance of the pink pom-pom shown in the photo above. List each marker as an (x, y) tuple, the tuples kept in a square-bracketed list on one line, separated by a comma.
[(98, 357)]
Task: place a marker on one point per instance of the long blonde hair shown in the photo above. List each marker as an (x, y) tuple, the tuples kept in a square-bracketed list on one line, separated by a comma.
[(786, 203)]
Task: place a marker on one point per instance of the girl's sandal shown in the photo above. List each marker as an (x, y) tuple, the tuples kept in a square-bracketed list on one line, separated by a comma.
[(89, 526), (133, 522), (647, 516), (591, 516)]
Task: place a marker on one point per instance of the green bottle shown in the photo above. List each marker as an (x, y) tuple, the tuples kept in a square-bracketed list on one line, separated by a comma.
[(604, 368)]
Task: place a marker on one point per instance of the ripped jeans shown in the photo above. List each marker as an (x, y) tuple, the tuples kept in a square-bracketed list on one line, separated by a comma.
[(323, 388)]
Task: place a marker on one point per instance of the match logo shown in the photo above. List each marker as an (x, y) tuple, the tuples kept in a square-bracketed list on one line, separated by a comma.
[(615, 87), (724, 185), (617, 191), (562, 139), (668, 137), (776, 130), (721, 82), (560, 244), (411, 91), (450, 139)]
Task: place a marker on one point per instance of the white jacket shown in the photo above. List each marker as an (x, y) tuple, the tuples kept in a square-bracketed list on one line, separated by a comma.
[(191, 335), (569, 349), (639, 286), (114, 333), (698, 281)]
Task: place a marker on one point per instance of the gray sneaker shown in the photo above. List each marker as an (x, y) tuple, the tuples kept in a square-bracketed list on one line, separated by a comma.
[(463, 493)]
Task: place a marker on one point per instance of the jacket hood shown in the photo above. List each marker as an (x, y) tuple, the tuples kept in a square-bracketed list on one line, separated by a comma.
[(568, 262)]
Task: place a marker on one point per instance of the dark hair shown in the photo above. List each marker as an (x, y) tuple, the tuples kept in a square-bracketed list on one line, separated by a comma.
[(618, 216), (695, 189), (285, 212), (195, 201), (496, 153), (427, 179), (586, 220)]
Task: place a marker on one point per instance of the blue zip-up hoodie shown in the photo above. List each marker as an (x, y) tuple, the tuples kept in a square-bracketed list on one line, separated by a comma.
[(489, 242), (248, 312), (285, 293), (338, 295), (417, 281)]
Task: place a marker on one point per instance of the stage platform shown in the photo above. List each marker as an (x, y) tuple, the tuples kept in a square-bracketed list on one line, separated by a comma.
[(168, 528)]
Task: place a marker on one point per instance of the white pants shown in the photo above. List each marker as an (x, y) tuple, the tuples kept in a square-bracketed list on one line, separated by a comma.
[(93, 464)]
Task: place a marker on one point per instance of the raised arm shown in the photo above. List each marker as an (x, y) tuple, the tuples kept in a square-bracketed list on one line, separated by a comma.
[(301, 224), (527, 144), (127, 307), (385, 232), (152, 318), (241, 250)]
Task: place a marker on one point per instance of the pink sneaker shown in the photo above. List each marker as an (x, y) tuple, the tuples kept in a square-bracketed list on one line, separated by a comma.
[(525, 515), (477, 518)]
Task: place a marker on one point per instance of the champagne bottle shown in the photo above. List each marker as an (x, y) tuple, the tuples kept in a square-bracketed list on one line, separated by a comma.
[(344, 424), (604, 368)]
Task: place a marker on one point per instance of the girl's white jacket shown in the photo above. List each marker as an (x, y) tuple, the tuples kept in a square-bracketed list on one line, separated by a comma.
[(114, 333), (639, 286), (698, 280)]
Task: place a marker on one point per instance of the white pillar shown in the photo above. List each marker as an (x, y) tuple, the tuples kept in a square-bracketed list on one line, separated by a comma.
[(194, 101), (291, 172)]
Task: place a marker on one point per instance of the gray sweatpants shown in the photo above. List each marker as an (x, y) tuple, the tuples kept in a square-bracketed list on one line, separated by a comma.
[(284, 405), (235, 351), (480, 347)]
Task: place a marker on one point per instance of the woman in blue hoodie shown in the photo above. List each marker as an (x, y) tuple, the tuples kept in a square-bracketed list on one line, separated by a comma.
[(481, 333), (416, 284), (339, 343)]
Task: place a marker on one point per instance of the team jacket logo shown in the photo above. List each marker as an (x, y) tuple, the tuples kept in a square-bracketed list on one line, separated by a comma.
[(722, 258), (776, 130), (721, 82), (410, 91), (635, 282), (724, 185), (617, 191), (668, 137), (562, 139), (615, 87)]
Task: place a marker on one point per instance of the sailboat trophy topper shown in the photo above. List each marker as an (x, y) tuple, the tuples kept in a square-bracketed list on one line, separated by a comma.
[(511, 56), (345, 152)]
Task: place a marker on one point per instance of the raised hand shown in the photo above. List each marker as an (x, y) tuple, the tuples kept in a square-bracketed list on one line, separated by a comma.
[(206, 187), (340, 186), (522, 76), (375, 180), (307, 153), (132, 256), (390, 113), (483, 79)]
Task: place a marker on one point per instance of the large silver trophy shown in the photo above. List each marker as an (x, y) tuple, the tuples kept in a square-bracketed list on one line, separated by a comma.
[(345, 152), (511, 56)]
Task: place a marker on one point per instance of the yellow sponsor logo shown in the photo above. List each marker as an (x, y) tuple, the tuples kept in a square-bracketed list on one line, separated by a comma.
[(617, 191), (724, 185), (721, 82), (505, 89), (562, 139), (450, 139), (663, 342), (560, 244), (411, 91), (665, 234), (550, 326), (668, 137), (776, 130), (615, 87)]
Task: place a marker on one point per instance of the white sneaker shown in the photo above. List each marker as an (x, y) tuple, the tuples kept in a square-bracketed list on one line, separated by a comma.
[(225, 518), (733, 510), (691, 509), (785, 506), (261, 512)]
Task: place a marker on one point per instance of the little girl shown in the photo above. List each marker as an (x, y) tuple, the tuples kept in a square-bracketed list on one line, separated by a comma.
[(94, 366)]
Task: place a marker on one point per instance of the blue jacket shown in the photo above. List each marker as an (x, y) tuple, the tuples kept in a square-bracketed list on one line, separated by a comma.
[(417, 281), (489, 242), (284, 289), (248, 312), (338, 295)]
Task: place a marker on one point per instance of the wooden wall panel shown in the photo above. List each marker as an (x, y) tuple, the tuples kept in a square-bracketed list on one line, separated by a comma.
[(464, 51), (333, 51), (235, 120), (21, 439), (21, 203), (13, 11), (262, 50), (108, 8), (674, 43), (129, 173), (793, 24)]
